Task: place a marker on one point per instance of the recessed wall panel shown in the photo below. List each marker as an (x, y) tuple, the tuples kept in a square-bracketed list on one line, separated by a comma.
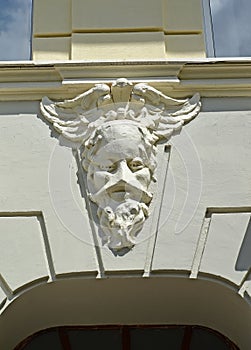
[(22, 252)]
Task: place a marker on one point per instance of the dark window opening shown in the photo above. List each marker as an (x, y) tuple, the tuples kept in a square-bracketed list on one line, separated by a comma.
[(127, 338)]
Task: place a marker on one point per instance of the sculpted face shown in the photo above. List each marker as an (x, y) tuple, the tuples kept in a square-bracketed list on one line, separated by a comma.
[(120, 124), (119, 159)]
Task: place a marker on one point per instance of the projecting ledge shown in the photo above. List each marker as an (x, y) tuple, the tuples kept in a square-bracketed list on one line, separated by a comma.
[(211, 77)]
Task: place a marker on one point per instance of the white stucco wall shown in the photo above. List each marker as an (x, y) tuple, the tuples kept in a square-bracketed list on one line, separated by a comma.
[(202, 230)]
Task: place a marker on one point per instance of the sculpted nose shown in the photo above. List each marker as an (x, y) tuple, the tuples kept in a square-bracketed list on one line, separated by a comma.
[(123, 171)]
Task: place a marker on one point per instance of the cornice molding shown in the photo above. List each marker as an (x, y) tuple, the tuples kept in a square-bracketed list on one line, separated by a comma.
[(29, 80)]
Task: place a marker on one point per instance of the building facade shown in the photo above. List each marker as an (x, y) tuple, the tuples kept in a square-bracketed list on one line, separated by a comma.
[(188, 264)]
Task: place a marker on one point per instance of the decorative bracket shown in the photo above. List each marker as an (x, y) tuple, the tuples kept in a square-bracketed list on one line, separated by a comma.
[(118, 127)]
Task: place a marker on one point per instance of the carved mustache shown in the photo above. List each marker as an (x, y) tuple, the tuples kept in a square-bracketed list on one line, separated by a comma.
[(134, 191)]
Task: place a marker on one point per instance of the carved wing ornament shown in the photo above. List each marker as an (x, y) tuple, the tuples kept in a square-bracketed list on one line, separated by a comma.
[(119, 126)]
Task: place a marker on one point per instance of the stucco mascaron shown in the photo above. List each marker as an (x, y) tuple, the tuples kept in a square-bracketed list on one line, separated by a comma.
[(116, 129), (199, 228)]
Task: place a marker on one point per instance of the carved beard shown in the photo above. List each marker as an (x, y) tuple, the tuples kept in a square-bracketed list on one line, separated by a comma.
[(122, 224)]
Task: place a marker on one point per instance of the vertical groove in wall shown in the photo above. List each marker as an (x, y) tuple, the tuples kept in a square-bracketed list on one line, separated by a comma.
[(200, 247), (157, 212), (48, 253)]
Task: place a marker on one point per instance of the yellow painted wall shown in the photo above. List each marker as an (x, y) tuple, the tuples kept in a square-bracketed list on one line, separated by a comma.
[(117, 29)]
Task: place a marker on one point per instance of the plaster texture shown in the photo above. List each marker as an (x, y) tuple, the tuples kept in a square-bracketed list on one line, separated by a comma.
[(51, 17), (208, 169), (116, 15), (186, 46), (200, 228), (230, 259), (98, 30), (22, 249), (183, 16), (205, 164), (116, 130), (38, 175), (192, 262), (103, 46), (54, 48)]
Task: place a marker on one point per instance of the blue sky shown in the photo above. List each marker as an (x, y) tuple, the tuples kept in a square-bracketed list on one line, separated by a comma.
[(15, 29), (232, 27), (231, 24)]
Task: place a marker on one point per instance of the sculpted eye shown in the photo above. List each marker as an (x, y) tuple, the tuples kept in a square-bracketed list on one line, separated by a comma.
[(110, 168), (134, 211), (136, 164)]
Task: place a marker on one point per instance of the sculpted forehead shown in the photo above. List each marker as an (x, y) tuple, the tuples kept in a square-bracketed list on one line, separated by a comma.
[(119, 141), (116, 131), (120, 149)]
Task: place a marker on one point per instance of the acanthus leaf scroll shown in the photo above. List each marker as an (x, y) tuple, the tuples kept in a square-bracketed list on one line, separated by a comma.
[(119, 127)]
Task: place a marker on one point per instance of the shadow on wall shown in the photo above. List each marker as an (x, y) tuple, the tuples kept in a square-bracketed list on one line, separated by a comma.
[(243, 262)]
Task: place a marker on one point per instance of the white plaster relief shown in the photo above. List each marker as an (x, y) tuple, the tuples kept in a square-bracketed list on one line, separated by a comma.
[(116, 128)]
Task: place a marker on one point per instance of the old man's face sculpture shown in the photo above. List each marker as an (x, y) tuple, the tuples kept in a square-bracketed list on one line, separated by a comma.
[(118, 127), (120, 159)]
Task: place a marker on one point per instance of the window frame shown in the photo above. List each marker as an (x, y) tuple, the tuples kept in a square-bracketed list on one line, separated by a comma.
[(125, 334), (208, 29)]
